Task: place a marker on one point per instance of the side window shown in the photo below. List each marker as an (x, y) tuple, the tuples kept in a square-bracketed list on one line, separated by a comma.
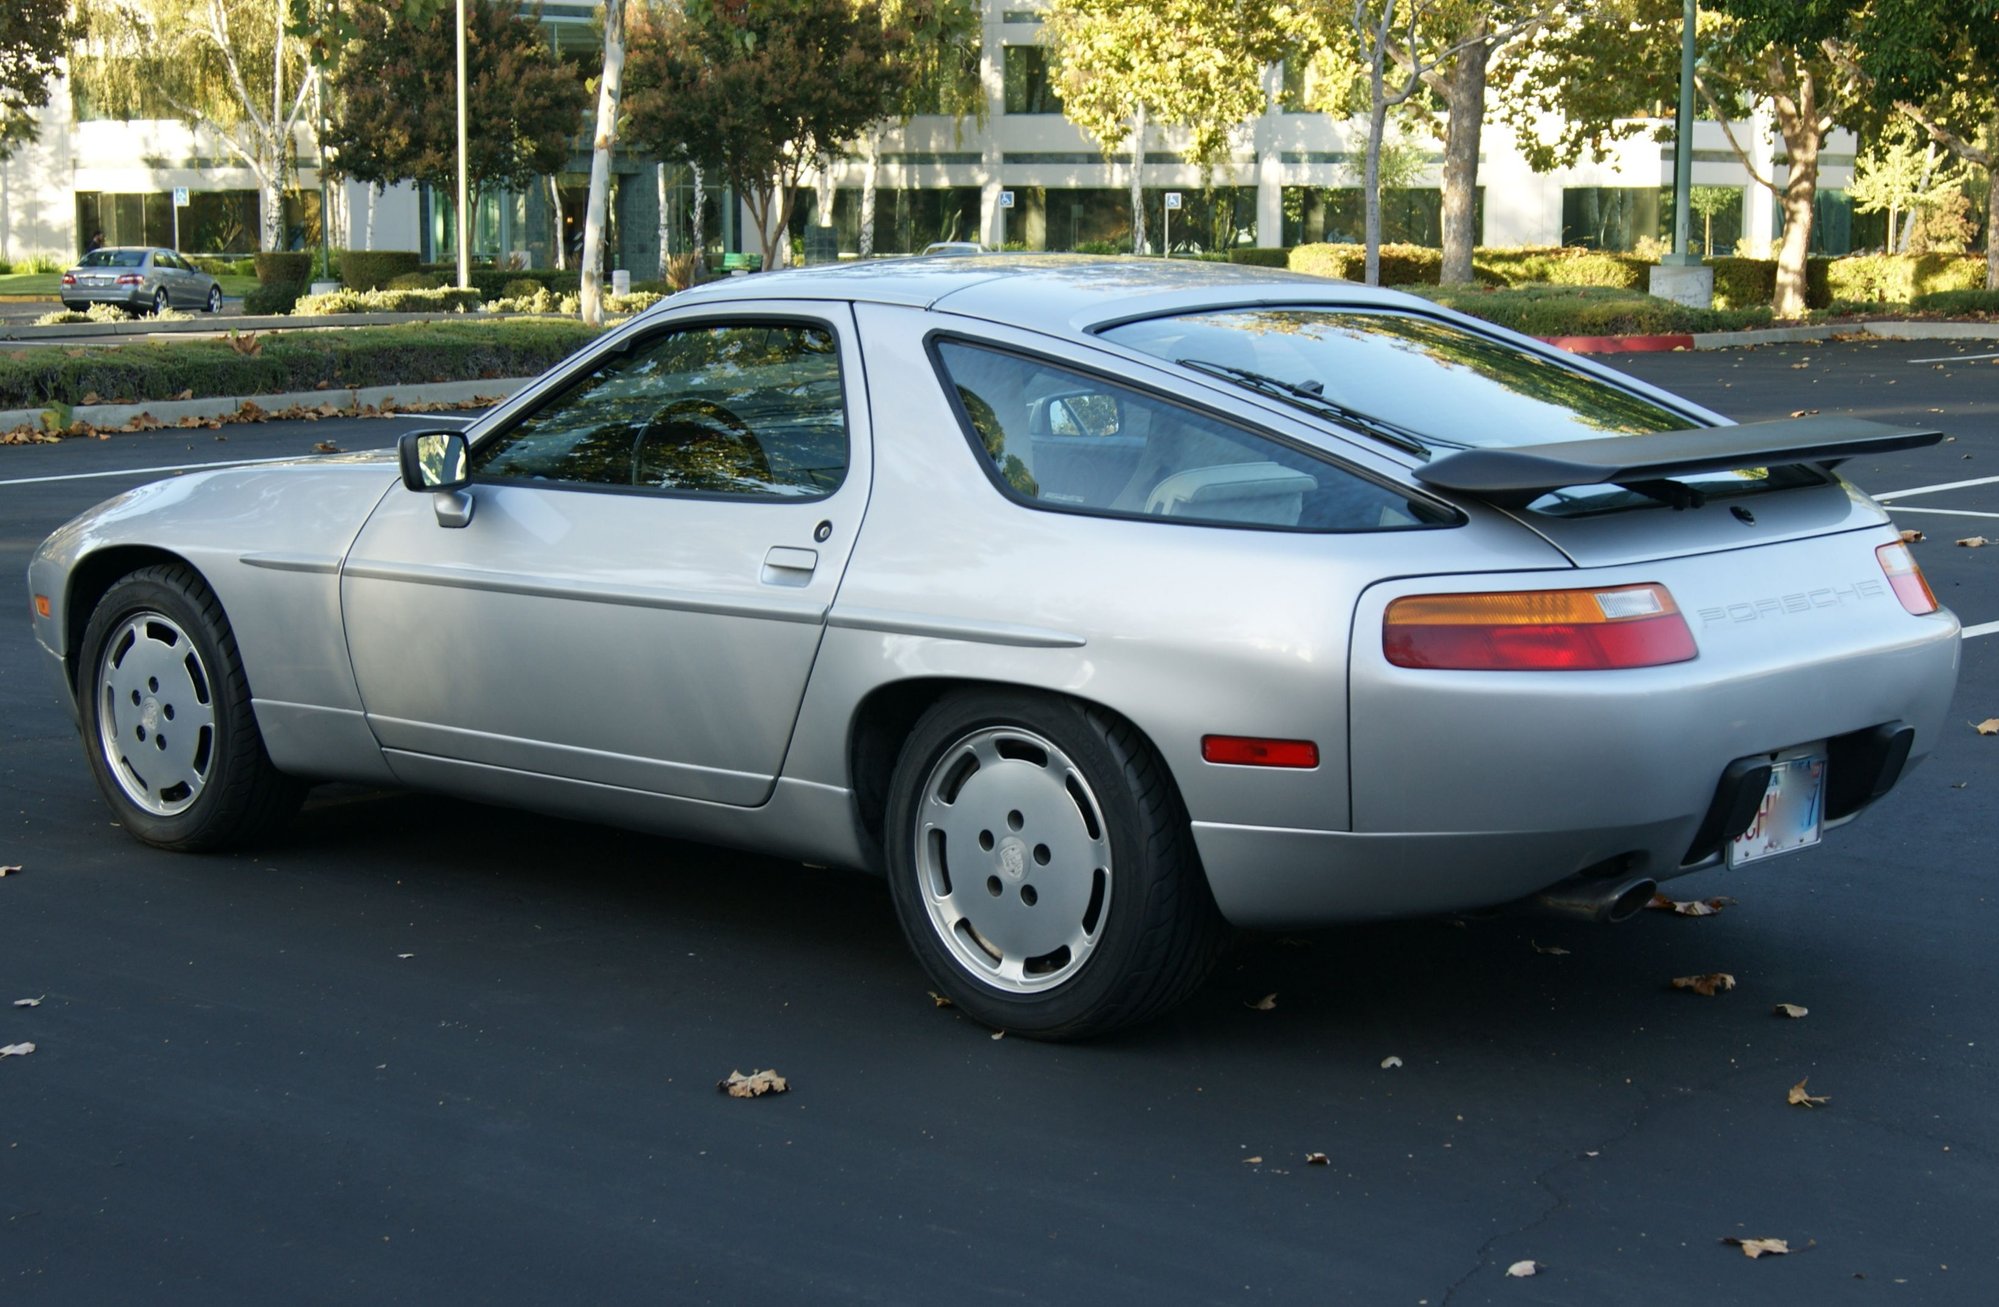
[(1066, 439), (754, 411)]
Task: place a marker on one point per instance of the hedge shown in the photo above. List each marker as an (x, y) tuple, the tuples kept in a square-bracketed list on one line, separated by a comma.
[(1401, 265), (1744, 283), (1560, 265), (283, 267), (374, 269), (1901, 278), (491, 283), (389, 301), (1589, 311), (1960, 302), (1279, 257), (304, 360)]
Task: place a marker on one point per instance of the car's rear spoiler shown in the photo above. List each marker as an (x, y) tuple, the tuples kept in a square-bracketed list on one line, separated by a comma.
[(1519, 475)]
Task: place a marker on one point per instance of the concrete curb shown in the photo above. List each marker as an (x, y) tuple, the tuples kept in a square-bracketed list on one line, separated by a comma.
[(205, 325), (1891, 330), (172, 411)]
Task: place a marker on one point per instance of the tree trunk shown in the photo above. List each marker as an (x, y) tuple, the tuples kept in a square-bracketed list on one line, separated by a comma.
[(665, 228), (697, 236), (1798, 120), (1465, 100), (274, 210), (1377, 124), (871, 170), (1138, 181), (561, 235), (1992, 212), (600, 162)]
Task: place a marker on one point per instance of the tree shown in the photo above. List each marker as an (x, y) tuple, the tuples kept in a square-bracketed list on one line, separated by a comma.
[(1192, 64), (224, 65), (608, 86), (941, 50), (1897, 175), (760, 92), (1618, 56), (522, 106), (1709, 201), (35, 35)]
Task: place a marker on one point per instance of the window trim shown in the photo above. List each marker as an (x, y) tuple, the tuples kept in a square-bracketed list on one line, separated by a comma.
[(588, 364), (938, 336)]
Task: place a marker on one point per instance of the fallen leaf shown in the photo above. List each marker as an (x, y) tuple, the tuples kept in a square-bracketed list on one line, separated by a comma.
[(326, 447), (1754, 1248), (999, 1034), (938, 1000), (1973, 542), (29, 1002), (1252, 1161), (91, 398), (185, 394), (1802, 412), (1264, 1004), (1521, 1270), (1791, 1010), (1708, 985), (1317, 1159), (8, 871), (1688, 907), (754, 1085), (16, 1050), (1990, 726), (1911, 537), (1390, 1063), (405, 955), (1552, 950), (1799, 1098)]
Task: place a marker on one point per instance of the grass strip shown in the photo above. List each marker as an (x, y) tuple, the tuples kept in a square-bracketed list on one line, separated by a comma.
[(276, 362)]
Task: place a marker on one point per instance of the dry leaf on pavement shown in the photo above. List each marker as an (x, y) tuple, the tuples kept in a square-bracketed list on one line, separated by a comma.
[(1521, 1270), (754, 1085), (8, 871), (1264, 1004), (1552, 950), (938, 1000), (1911, 537), (29, 1002), (1252, 1161), (16, 1050), (325, 447), (1708, 985), (1317, 1159), (1799, 1098), (1390, 1063), (1973, 542), (1754, 1248), (1791, 1010), (1689, 907), (1990, 726)]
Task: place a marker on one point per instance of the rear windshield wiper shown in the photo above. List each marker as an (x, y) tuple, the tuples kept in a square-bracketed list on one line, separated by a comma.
[(1310, 396)]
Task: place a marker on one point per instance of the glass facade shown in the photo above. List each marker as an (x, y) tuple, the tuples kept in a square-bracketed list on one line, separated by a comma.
[(1028, 87), (1412, 215)]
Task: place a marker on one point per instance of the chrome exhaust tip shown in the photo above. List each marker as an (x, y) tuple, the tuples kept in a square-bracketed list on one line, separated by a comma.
[(1611, 900)]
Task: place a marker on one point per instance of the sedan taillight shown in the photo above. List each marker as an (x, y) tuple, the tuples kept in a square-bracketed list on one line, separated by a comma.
[(1538, 630), (130, 279), (69, 279), (1906, 578)]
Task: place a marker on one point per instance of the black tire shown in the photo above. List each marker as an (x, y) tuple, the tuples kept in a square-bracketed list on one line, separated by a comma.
[(161, 301), (167, 722), (214, 299), (1042, 866)]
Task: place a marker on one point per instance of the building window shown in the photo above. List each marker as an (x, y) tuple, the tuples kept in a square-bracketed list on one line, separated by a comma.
[(213, 222), (1616, 217), (1410, 215), (1029, 88)]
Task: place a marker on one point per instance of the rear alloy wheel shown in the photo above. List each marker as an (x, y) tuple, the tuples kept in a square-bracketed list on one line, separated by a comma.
[(215, 299), (1042, 866), (160, 301), (167, 719)]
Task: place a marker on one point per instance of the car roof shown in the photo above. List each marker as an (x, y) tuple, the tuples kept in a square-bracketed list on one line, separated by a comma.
[(1079, 291)]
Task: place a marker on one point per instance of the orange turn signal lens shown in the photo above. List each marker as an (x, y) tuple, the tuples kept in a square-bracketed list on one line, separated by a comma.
[(41, 605), (1538, 630), (1253, 751), (1905, 577)]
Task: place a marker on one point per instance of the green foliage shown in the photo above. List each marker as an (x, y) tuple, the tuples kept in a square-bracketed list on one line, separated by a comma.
[(373, 269), (1401, 265), (392, 120), (1589, 311), (293, 361), (411, 281), (440, 300), (43, 263), (1740, 283), (95, 313), (1560, 265), (1901, 278), (1959, 303), (492, 283), (1278, 257), (35, 36), (273, 297), (519, 286), (215, 267), (278, 267)]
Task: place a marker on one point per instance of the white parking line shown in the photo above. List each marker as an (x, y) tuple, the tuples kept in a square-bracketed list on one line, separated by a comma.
[(1931, 490), (149, 471), (1983, 628), (1943, 512), (1957, 358)]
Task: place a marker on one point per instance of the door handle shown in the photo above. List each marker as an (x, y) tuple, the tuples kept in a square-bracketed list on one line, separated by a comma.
[(784, 565)]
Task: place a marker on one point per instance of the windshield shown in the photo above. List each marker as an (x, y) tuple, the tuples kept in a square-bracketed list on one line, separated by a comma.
[(113, 259), (1448, 387)]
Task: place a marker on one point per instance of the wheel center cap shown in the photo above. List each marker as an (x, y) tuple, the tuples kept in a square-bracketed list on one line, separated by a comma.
[(1013, 857), (149, 714)]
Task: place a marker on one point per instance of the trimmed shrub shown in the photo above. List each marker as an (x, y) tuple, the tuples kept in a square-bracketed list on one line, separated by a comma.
[(1959, 302), (273, 297), (1744, 283), (374, 269), (410, 281), (520, 287), (1401, 265), (441, 300), (449, 350), (283, 267), (1560, 265), (1901, 278), (491, 283), (1589, 311), (1263, 257)]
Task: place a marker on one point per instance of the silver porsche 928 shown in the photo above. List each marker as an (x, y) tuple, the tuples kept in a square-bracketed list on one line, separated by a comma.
[(1097, 604)]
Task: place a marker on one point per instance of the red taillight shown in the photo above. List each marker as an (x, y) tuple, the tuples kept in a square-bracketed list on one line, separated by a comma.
[(1906, 578), (130, 279), (1538, 630), (1253, 751), (69, 279)]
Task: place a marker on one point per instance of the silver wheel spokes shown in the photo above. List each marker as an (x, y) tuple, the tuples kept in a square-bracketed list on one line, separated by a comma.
[(1013, 859), (156, 714)]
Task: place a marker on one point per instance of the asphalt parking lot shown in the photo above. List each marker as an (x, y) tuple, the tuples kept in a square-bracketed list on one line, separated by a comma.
[(420, 1051)]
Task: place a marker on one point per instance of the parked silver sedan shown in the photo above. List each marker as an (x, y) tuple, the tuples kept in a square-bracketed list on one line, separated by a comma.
[(1096, 604), (140, 279)]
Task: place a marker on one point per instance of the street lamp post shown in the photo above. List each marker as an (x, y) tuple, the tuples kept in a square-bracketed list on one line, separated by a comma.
[(1682, 276), (464, 218)]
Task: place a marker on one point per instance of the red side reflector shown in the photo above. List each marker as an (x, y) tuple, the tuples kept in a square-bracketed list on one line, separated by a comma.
[(1906, 578), (1538, 630), (1252, 751)]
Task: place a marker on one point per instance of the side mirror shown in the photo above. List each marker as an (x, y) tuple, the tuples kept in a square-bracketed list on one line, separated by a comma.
[(433, 460)]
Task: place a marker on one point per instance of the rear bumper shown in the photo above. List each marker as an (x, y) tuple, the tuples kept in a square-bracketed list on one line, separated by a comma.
[(125, 297)]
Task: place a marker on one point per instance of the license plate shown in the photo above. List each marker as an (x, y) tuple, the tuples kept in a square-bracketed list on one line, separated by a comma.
[(1793, 813)]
